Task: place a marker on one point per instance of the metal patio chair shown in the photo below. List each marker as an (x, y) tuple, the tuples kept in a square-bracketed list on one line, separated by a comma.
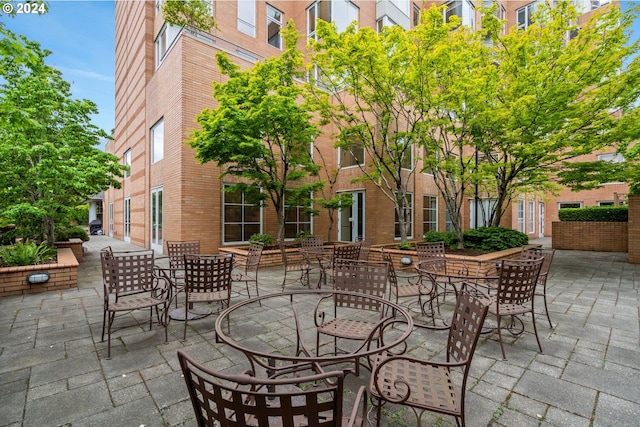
[(541, 286), (294, 263), (246, 271), (176, 249)]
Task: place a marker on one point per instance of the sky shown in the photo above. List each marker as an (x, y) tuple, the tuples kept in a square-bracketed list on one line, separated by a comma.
[(81, 36)]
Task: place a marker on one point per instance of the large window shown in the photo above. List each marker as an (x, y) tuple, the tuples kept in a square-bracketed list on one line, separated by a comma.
[(569, 205), (297, 219), (157, 141), (241, 216), (525, 15), (464, 10), (164, 41), (127, 219), (342, 12), (385, 21), (127, 162), (483, 214), (157, 219), (416, 15), (247, 17), (429, 214), (521, 216), (274, 27), (409, 214), (531, 217), (352, 156)]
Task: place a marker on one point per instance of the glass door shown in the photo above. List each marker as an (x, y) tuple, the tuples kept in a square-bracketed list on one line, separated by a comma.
[(110, 219), (541, 217), (156, 219), (127, 219), (351, 219)]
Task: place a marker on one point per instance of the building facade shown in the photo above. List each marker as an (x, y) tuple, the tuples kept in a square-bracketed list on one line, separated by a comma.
[(163, 80)]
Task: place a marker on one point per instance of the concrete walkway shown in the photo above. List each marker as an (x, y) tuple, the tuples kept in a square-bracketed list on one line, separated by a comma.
[(54, 372)]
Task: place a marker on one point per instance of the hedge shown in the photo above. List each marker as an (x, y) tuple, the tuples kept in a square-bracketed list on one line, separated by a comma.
[(483, 238), (596, 213)]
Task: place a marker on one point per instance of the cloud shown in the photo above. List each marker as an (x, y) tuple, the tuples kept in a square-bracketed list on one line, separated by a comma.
[(87, 74)]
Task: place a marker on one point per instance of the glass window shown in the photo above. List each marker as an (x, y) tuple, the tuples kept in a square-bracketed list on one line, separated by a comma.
[(247, 17), (462, 9), (525, 14), (403, 5), (407, 158), (157, 141), (241, 216), (611, 157), (429, 214), (521, 216), (127, 162), (416, 15), (297, 219), (385, 21), (606, 203), (164, 41), (409, 212), (485, 207), (127, 217), (531, 216), (342, 12), (448, 224), (274, 26), (567, 205), (352, 156)]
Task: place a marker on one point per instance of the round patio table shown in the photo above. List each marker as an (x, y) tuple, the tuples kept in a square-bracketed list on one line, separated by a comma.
[(272, 334)]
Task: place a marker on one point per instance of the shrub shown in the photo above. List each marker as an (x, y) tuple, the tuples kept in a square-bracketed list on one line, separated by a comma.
[(595, 213), (261, 238), (494, 238), (448, 237), (66, 233), (27, 253)]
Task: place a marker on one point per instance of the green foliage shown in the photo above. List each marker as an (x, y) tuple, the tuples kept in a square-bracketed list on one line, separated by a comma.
[(196, 13), (448, 237), (50, 159), (26, 253), (595, 213), (405, 246), (73, 232), (79, 215), (266, 239), (494, 238), (303, 235)]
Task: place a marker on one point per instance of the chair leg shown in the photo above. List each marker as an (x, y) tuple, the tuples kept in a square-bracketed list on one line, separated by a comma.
[(499, 326), (104, 323), (186, 315), (535, 331), (111, 318), (546, 308)]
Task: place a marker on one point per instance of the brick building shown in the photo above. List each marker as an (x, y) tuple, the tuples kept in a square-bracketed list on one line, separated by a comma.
[(163, 80)]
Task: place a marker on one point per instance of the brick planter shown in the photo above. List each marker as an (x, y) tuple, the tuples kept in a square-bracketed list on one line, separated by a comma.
[(63, 275), (74, 244)]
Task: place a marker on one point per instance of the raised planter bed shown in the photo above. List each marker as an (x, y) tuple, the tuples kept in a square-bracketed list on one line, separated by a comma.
[(74, 244), (63, 275)]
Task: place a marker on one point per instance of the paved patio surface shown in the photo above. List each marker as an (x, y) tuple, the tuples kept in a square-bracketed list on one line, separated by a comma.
[(54, 371)]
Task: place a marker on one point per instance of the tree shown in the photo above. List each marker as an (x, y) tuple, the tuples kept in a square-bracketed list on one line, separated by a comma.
[(49, 162), (192, 13), (554, 97), (261, 131)]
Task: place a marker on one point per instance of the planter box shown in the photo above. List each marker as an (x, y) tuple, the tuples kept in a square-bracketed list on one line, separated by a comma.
[(75, 245), (63, 275), (590, 236)]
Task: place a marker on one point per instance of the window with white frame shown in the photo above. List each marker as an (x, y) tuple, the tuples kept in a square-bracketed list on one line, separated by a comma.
[(247, 17), (416, 15), (164, 41), (611, 157), (342, 12), (126, 159), (521, 216), (157, 141), (297, 219), (448, 223), (483, 214), (241, 216), (407, 158), (429, 213), (409, 214), (127, 218), (525, 14), (569, 205), (402, 5), (605, 203), (531, 224), (463, 9), (351, 156), (274, 27), (385, 21)]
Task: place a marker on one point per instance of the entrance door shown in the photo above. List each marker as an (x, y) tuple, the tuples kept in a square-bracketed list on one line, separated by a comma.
[(351, 219), (156, 219), (110, 219), (541, 219), (127, 219)]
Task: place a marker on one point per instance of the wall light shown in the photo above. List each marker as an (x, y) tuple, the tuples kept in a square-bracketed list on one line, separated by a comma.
[(406, 260), (37, 278)]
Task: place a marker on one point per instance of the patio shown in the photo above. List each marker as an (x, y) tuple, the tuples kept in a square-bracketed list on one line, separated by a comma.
[(53, 367)]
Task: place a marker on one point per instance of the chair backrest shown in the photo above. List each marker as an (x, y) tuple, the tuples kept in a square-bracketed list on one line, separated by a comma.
[(429, 250), (529, 252), (518, 280), (348, 251), (243, 400), (207, 273), (365, 277), (365, 248), (393, 279), (312, 245), (253, 256), (176, 249), (127, 272)]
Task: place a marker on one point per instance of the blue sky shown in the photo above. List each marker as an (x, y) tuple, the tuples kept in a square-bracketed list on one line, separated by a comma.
[(81, 36)]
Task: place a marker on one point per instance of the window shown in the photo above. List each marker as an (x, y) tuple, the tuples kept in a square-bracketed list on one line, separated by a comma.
[(127, 219), (569, 205), (483, 215), (611, 157), (385, 21), (247, 17), (164, 41), (606, 203), (274, 25), (407, 157), (429, 213), (157, 141), (521, 216), (297, 219), (157, 219), (403, 5), (127, 162), (158, 6), (342, 12), (448, 224), (530, 217), (464, 10), (352, 156), (525, 14), (409, 224), (416, 15), (241, 216)]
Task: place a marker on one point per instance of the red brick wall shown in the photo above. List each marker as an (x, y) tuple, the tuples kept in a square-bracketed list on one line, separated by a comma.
[(63, 275), (590, 236), (75, 245), (634, 230)]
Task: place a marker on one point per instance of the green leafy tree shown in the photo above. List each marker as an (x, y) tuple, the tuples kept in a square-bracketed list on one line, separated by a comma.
[(49, 160), (261, 131), (553, 97), (190, 13)]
